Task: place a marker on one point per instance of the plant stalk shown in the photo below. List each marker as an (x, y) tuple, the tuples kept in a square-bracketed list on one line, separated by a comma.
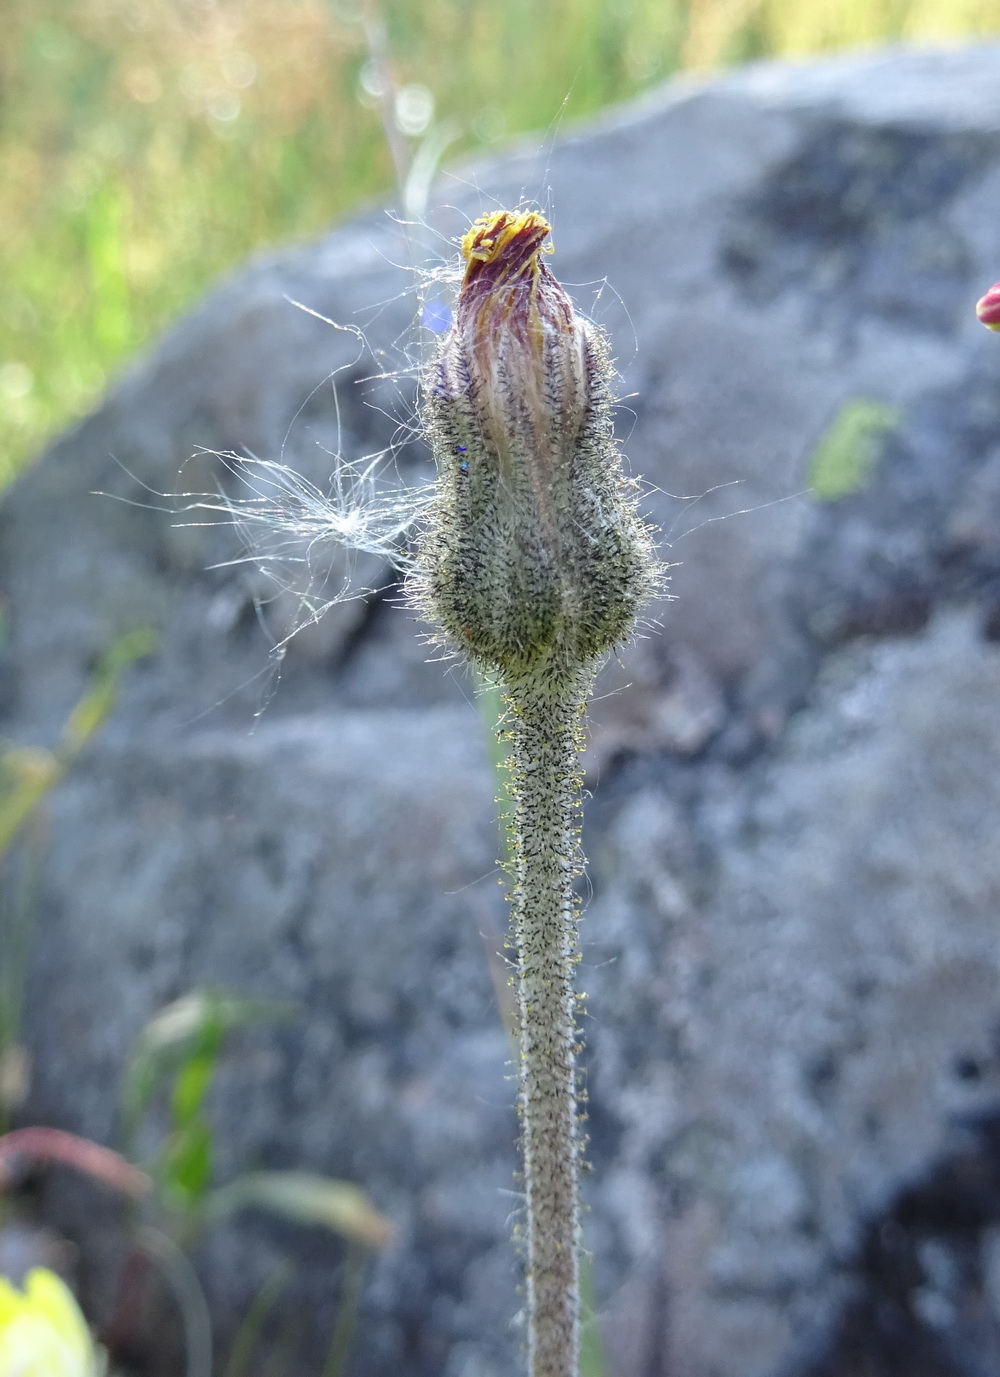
[(545, 735), (535, 563)]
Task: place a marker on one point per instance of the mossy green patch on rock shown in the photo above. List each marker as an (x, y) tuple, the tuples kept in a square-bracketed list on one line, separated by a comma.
[(850, 448)]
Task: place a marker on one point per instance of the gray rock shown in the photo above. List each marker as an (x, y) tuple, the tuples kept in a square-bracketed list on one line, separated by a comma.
[(791, 951)]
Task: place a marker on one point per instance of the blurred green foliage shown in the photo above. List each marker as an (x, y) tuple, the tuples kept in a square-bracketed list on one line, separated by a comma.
[(28, 774), (183, 1044), (146, 145), (181, 1047), (179, 1052)]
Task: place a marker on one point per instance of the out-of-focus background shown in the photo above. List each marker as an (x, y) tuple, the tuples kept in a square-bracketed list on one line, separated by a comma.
[(147, 145)]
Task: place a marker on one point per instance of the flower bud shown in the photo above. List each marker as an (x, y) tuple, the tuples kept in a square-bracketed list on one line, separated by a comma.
[(534, 548), (988, 308)]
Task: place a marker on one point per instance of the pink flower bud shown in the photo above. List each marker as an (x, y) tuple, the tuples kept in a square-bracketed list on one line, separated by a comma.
[(988, 308), (522, 341)]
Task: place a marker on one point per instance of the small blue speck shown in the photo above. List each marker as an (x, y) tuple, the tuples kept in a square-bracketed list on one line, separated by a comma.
[(436, 316), (459, 449), (464, 466)]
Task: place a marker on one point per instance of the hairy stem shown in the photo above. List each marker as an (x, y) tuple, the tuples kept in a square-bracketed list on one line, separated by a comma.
[(546, 712), (535, 563)]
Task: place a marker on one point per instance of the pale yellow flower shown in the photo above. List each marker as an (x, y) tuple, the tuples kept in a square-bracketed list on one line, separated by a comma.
[(42, 1333)]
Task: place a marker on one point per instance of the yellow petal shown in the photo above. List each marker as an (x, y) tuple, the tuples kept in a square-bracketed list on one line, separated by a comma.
[(11, 1301), (29, 1347), (51, 1299), (42, 1332)]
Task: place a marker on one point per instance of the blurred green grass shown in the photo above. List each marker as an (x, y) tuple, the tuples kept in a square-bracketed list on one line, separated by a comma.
[(146, 145)]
